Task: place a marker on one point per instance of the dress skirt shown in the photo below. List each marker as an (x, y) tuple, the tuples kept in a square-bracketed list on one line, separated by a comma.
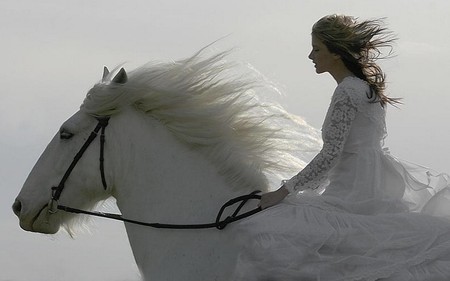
[(400, 233)]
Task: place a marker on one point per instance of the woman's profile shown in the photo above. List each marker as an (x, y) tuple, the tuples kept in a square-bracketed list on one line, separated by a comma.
[(355, 212)]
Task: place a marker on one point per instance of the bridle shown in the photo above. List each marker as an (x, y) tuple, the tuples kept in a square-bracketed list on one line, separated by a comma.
[(57, 190), (53, 205)]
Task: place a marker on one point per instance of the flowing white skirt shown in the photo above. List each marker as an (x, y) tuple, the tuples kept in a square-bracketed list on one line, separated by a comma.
[(310, 237), (297, 241)]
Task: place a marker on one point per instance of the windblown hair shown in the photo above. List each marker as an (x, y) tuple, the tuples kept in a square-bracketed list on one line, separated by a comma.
[(359, 44), (208, 105)]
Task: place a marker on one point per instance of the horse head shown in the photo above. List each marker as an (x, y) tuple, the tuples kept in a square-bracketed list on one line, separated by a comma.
[(57, 171)]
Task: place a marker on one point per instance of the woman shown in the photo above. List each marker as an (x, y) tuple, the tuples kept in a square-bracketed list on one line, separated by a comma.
[(354, 212)]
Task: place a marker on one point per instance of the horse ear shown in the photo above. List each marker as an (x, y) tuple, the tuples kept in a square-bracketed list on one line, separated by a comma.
[(121, 77), (105, 73)]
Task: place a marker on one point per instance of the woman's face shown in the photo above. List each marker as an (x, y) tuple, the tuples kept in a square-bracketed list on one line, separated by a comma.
[(323, 59)]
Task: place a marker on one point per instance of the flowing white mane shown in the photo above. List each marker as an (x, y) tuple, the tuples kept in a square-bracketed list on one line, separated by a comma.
[(209, 106)]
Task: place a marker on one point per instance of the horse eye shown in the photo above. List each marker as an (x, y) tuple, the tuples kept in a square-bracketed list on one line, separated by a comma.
[(65, 135)]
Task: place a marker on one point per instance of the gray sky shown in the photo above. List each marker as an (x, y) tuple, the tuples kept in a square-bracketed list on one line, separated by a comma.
[(53, 51)]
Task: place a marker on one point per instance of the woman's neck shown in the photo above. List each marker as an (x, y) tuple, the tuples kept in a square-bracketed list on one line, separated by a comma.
[(339, 77), (340, 72)]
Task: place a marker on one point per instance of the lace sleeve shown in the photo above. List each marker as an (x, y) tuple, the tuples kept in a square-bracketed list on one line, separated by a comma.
[(336, 128)]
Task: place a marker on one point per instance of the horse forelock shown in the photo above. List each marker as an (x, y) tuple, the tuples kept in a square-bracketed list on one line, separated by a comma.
[(208, 105)]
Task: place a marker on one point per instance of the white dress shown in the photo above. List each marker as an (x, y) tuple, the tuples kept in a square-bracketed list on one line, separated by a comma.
[(355, 212)]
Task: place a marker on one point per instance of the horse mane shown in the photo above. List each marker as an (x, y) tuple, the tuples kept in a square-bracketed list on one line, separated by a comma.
[(211, 105)]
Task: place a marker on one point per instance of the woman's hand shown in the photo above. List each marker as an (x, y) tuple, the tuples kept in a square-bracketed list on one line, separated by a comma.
[(272, 198)]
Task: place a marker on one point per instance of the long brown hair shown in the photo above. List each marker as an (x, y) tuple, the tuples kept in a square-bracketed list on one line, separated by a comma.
[(359, 44)]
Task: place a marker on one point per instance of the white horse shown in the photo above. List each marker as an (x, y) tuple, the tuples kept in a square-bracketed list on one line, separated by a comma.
[(183, 138)]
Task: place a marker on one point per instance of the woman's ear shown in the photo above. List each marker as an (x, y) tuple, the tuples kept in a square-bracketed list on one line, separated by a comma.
[(336, 56)]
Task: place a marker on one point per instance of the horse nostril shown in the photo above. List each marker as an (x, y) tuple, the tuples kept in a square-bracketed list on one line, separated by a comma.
[(17, 207)]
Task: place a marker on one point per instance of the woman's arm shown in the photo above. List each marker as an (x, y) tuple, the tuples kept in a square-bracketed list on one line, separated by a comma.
[(335, 131), (335, 134)]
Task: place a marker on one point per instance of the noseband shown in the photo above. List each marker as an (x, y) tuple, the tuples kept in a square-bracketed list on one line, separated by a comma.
[(220, 224), (57, 190)]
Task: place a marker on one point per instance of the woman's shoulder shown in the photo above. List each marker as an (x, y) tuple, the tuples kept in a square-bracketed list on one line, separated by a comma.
[(353, 82), (352, 88)]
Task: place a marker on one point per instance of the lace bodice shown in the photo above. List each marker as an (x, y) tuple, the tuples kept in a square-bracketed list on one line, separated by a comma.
[(352, 123)]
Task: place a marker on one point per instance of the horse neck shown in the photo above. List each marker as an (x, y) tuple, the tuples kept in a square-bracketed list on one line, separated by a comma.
[(157, 177)]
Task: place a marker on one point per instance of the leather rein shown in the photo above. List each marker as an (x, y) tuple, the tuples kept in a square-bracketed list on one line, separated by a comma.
[(219, 223)]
